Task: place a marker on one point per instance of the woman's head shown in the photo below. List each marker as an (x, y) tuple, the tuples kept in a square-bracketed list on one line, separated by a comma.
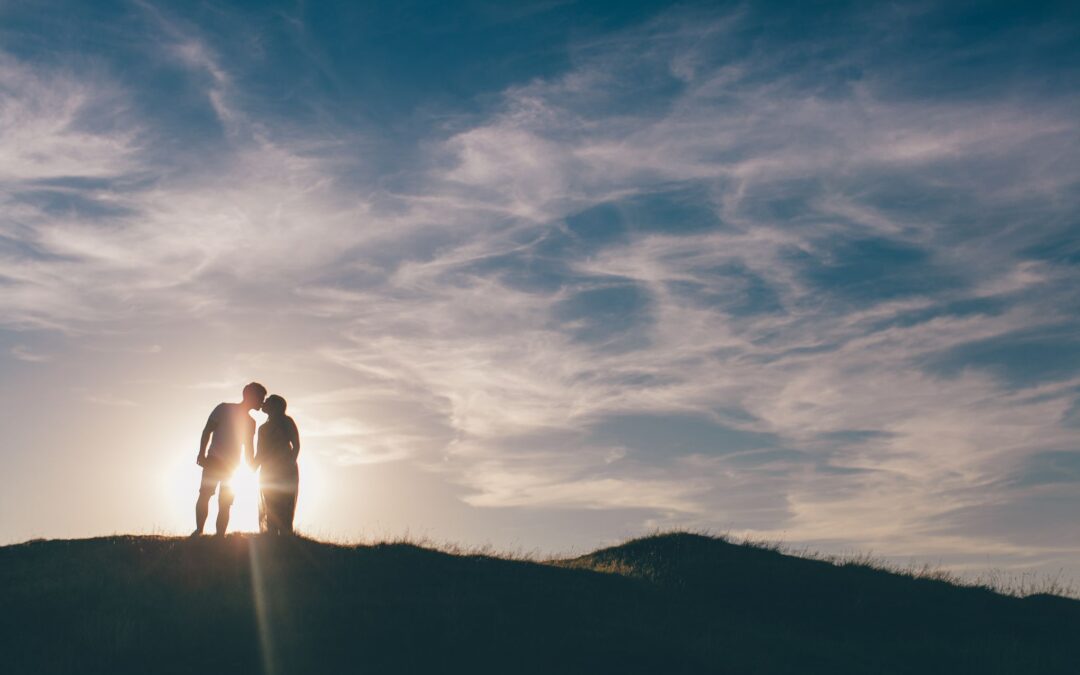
[(274, 405)]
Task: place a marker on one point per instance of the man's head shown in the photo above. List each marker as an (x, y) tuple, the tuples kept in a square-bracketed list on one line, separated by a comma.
[(254, 394)]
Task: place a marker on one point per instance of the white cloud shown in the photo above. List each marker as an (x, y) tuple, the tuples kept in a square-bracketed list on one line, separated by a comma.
[(111, 401), (431, 357), (24, 353), (486, 348), (44, 130)]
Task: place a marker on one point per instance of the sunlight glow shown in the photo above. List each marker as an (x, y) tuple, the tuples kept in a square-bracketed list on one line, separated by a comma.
[(177, 478), (245, 510)]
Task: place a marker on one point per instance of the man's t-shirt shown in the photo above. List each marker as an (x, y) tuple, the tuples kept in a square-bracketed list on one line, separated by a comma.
[(232, 427)]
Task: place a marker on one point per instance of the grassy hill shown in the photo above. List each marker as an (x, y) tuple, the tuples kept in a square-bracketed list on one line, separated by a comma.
[(676, 603)]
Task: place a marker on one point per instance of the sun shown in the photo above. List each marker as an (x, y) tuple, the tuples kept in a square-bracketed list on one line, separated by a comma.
[(178, 488), (245, 510)]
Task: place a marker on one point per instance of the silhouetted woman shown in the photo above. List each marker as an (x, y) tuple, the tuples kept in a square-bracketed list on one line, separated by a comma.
[(279, 477)]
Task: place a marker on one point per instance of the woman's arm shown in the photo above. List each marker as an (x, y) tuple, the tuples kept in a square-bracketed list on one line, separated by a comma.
[(294, 439)]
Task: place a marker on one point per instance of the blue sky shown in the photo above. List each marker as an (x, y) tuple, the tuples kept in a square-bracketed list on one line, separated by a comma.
[(550, 274)]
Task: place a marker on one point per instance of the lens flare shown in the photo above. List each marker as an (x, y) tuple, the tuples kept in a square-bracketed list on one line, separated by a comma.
[(245, 510)]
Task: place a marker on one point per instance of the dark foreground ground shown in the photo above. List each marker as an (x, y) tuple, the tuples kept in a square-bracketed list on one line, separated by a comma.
[(674, 603)]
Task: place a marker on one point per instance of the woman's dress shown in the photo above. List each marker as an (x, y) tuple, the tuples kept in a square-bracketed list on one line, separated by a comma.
[(279, 476)]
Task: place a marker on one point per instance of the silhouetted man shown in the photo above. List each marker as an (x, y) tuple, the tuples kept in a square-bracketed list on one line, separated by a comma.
[(233, 434)]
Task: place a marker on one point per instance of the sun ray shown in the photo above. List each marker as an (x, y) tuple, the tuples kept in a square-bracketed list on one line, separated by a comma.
[(245, 510)]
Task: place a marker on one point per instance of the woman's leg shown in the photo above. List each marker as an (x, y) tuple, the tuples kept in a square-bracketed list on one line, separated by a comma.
[(264, 507), (272, 498), (289, 505), (273, 518)]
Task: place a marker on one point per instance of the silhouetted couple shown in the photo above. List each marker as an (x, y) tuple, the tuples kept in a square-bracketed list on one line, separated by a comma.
[(230, 433)]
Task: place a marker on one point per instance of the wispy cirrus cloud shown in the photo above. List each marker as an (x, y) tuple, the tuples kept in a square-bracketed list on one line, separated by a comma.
[(809, 279), (24, 353), (700, 275)]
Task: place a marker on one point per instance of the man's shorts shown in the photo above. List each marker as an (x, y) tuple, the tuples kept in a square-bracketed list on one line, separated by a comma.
[(216, 472)]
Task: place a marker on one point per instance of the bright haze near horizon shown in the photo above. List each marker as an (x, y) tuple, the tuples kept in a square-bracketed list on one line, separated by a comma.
[(546, 275)]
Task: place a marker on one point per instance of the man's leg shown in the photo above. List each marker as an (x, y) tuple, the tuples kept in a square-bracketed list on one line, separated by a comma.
[(202, 505), (225, 502), (202, 508)]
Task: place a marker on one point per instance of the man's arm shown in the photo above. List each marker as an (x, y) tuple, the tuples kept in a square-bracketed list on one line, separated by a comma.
[(211, 426), (203, 442)]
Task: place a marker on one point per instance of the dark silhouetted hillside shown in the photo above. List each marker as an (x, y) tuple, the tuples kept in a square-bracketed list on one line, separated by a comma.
[(676, 603)]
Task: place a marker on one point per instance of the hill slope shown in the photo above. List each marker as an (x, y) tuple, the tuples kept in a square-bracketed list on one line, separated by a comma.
[(674, 603)]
